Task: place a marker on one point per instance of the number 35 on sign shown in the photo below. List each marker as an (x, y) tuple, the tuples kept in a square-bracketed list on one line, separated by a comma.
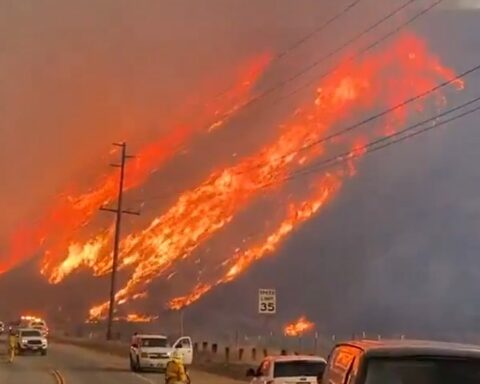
[(267, 301)]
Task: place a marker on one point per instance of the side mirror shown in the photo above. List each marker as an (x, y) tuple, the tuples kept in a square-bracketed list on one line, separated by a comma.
[(250, 372)]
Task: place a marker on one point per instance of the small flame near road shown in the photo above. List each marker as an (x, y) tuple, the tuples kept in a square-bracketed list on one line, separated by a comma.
[(298, 327)]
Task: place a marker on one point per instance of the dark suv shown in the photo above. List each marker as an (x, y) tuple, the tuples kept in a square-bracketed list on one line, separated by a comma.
[(402, 362)]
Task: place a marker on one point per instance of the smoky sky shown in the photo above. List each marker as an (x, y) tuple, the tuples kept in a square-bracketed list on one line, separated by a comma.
[(396, 250)]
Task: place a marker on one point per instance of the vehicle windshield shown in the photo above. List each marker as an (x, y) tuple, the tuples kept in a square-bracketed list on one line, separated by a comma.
[(298, 368), (153, 342), (30, 333), (422, 371)]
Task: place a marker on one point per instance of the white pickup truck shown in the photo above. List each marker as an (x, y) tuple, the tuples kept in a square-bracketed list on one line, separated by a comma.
[(31, 340), (154, 351)]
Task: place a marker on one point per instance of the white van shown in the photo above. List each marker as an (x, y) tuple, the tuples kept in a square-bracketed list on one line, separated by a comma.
[(154, 351)]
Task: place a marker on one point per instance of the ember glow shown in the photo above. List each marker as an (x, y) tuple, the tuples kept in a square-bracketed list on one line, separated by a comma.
[(405, 66), (298, 327), (56, 231)]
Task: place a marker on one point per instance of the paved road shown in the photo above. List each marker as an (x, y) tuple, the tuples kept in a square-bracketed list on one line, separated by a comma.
[(76, 365)]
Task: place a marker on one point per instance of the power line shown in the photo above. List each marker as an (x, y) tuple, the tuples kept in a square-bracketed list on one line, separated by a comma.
[(352, 57), (360, 52), (364, 49), (356, 37), (334, 68), (372, 146), (335, 51), (300, 42), (348, 128), (308, 36), (317, 30), (349, 155), (376, 116)]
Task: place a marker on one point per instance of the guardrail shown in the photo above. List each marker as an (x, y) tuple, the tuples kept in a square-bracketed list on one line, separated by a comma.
[(206, 352)]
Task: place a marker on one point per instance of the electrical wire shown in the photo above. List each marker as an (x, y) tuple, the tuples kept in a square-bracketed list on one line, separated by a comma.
[(372, 146), (348, 128), (316, 63)]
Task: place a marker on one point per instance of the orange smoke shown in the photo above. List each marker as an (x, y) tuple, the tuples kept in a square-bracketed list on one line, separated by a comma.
[(199, 213), (298, 327), (73, 210)]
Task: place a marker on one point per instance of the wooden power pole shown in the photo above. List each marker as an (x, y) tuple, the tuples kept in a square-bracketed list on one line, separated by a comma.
[(116, 242)]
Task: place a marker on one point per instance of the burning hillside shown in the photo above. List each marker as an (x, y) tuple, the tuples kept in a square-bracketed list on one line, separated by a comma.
[(74, 210), (407, 68), (381, 79)]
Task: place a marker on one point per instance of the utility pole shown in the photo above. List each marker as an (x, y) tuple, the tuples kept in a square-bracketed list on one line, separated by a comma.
[(116, 242)]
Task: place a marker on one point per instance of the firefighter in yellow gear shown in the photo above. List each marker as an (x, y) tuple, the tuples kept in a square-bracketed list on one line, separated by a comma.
[(12, 344), (175, 370)]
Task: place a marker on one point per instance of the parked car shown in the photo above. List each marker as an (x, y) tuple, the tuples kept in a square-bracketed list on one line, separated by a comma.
[(154, 351), (403, 362), (31, 340), (288, 369)]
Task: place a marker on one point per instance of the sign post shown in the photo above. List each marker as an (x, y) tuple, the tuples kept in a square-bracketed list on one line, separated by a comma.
[(267, 301), (267, 306)]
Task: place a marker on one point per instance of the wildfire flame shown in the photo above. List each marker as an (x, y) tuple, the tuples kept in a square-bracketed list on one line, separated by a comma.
[(326, 187), (198, 213), (241, 261), (75, 210), (387, 77), (202, 211), (298, 327)]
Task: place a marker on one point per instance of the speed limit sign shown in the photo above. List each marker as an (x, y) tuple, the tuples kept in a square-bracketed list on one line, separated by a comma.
[(267, 301)]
